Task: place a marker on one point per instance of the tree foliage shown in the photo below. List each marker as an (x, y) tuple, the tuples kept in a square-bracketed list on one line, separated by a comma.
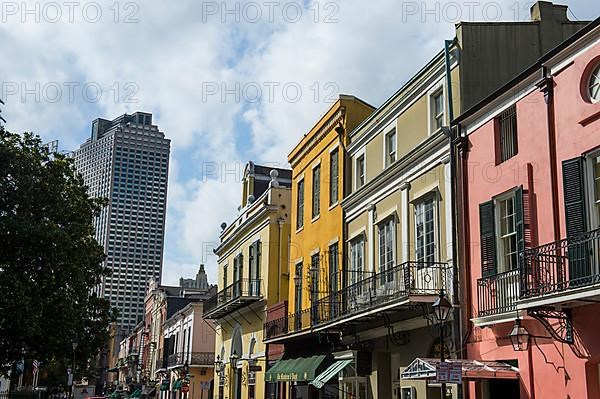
[(49, 259)]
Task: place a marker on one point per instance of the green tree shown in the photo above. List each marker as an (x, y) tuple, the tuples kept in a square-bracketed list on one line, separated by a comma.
[(49, 259)]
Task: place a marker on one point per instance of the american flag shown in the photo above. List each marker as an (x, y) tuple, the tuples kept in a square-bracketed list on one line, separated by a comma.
[(35, 366)]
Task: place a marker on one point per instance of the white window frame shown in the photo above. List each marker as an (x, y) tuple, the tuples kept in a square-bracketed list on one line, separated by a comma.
[(590, 190), (386, 150), (500, 254), (595, 68), (354, 276), (380, 225), (358, 156), (432, 93), (433, 196)]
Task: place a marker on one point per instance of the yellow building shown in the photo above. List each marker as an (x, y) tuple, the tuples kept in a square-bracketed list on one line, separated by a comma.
[(318, 164), (252, 261)]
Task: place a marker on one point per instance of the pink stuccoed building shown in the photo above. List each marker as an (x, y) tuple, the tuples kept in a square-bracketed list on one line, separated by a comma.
[(528, 203)]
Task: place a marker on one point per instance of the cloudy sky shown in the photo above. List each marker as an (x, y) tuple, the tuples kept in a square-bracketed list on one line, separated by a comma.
[(227, 82)]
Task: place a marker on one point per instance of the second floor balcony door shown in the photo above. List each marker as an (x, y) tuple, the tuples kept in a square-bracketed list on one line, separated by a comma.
[(427, 277), (237, 276)]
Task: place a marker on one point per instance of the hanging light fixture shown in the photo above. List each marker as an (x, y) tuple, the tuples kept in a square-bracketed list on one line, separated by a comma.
[(519, 337)]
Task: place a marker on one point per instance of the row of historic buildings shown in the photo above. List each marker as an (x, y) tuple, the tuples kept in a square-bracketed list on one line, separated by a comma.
[(171, 350), (476, 184)]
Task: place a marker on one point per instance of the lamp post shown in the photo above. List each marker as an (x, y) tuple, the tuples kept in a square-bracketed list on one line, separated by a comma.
[(441, 310), (75, 343)]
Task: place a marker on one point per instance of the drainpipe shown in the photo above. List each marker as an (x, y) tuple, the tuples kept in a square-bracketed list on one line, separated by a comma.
[(457, 321), (546, 85)]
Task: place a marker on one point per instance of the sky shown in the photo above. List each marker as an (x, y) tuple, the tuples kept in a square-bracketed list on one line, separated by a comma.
[(226, 81)]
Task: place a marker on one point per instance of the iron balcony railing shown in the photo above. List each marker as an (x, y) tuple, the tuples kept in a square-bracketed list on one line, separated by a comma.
[(498, 293), (162, 363), (206, 359), (175, 359), (393, 285), (292, 323), (560, 266), (233, 295), (276, 328)]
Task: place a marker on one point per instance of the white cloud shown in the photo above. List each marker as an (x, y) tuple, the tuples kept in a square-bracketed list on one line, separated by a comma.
[(172, 55)]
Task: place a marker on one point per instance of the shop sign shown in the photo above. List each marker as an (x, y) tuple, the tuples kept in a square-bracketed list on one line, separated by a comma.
[(442, 372), (455, 373)]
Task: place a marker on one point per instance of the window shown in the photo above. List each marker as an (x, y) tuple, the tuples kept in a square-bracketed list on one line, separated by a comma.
[(333, 176), (360, 171), (437, 110), (502, 229), (425, 230), (357, 260), (594, 85), (333, 268), (298, 290), (254, 260), (316, 191), (314, 276), (386, 249), (506, 126), (507, 239), (390, 147), (300, 204), (596, 188), (224, 276)]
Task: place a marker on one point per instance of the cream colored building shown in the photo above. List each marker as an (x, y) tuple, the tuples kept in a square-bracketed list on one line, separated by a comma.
[(253, 273)]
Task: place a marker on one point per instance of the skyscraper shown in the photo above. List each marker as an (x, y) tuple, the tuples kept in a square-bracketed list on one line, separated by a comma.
[(127, 160)]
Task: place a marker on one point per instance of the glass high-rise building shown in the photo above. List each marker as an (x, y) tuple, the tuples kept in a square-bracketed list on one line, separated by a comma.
[(127, 161)]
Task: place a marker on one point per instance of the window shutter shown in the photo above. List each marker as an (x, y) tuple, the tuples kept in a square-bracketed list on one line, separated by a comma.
[(575, 215), (488, 239), (520, 222), (573, 187)]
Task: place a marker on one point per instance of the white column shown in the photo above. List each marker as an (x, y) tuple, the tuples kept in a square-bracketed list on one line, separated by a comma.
[(448, 208)]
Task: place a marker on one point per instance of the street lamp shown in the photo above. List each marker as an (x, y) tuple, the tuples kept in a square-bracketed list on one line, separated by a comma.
[(219, 365), (519, 337), (441, 310), (234, 359), (75, 343)]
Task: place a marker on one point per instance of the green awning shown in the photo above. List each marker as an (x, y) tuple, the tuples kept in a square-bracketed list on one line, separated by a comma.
[(136, 394), (331, 371), (113, 370), (298, 369), (177, 384)]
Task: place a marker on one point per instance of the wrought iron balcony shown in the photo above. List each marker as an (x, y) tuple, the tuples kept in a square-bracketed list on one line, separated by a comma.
[(204, 359), (292, 323), (276, 328), (498, 293), (404, 283), (233, 297), (175, 359), (161, 363), (562, 266)]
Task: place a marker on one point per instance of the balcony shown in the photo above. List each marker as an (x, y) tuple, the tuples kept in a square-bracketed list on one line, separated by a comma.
[(203, 359), (565, 270), (235, 296), (409, 282), (161, 364), (498, 294), (288, 325)]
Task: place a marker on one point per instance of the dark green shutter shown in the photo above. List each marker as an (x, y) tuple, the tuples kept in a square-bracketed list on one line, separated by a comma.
[(573, 187), (575, 218), (488, 239)]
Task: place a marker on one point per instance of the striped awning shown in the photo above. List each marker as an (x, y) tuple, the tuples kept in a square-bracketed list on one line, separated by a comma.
[(330, 372)]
